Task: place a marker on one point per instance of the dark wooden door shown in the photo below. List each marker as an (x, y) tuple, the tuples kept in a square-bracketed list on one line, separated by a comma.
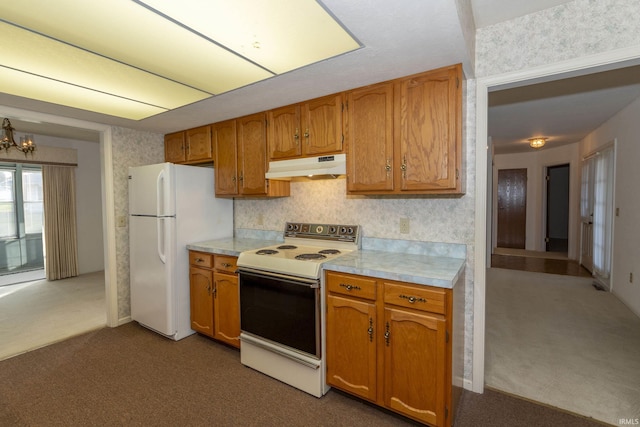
[(512, 208)]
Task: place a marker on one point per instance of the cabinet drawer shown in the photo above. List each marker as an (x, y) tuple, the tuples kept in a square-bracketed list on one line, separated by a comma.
[(417, 297), (201, 259), (346, 284), (225, 263)]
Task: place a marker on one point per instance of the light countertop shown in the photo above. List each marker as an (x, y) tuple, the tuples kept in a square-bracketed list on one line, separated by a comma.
[(439, 271)]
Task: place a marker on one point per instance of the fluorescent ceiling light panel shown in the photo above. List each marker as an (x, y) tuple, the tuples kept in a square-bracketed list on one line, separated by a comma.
[(157, 55), (43, 89), (280, 35), (128, 32)]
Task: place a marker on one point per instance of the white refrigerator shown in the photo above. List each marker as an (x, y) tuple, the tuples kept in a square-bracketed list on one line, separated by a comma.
[(170, 206)]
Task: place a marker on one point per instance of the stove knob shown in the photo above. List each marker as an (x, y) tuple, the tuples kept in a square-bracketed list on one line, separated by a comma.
[(350, 231), (343, 230), (289, 227), (319, 229), (333, 230), (295, 227)]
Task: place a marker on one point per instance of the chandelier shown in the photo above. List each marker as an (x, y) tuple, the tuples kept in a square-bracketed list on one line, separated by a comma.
[(26, 142), (537, 142)]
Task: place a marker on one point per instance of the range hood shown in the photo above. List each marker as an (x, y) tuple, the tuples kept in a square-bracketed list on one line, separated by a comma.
[(312, 167)]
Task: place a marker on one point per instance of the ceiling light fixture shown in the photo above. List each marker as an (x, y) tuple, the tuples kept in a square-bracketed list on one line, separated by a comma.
[(537, 142), (26, 142)]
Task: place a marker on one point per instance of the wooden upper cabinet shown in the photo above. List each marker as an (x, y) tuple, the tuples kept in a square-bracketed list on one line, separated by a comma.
[(369, 136), (322, 122), (252, 154), (429, 132), (190, 146), (284, 134), (174, 147), (241, 159), (405, 136), (198, 143), (308, 129), (225, 144)]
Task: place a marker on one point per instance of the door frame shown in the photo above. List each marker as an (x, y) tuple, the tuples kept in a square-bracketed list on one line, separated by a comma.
[(578, 66)]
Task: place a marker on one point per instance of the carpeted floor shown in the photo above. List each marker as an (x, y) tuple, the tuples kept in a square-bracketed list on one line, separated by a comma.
[(556, 339), (39, 313), (129, 376)]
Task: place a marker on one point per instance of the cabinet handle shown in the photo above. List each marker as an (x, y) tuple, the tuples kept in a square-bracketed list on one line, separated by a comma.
[(403, 167), (370, 330), (199, 260), (208, 289), (226, 265), (387, 167), (306, 135), (413, 299), (241, 177), (387, 333), (350, 287), (297, 136), (215, 289)]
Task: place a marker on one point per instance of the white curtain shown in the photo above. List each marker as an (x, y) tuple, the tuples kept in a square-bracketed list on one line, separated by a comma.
[(59, 194), (603, 164)]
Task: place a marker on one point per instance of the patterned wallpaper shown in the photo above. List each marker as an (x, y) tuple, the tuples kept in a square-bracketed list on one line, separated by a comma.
[(571, 30), (130, 148)]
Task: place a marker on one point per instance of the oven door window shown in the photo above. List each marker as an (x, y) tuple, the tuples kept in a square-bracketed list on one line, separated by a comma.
[(281, 310)]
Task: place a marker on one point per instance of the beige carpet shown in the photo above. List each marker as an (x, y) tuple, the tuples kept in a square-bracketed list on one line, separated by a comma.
[(556, 340), (36, 314)]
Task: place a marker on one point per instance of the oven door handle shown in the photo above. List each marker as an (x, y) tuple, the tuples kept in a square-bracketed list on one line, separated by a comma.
[(311, 283)]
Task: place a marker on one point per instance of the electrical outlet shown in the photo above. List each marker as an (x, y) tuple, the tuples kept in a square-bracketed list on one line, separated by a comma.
[(404, 225), (260, 219), (122, 221)]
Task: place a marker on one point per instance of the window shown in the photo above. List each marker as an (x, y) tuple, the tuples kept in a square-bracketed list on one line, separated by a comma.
[(21, 218), (32, 200)]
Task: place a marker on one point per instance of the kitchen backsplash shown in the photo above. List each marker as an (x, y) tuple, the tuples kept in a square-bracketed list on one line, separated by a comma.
[(445, 220)]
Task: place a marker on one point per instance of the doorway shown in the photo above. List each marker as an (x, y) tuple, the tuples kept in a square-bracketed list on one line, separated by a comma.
[(512, 208), (557, 236)]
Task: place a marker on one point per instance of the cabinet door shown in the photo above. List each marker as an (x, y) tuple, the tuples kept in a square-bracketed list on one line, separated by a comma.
[(415, 365), (429, 131), (284, 132), (174, 147), (199, 144), (226, 158), (226, 310), (351, 346), (200, 282), (252, 152), (370, 139), (322, 125)]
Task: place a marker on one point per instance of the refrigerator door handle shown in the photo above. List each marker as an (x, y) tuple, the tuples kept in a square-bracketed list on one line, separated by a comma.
[(161, 240), (160, 194)]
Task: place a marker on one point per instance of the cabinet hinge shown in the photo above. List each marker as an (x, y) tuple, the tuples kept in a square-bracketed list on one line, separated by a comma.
[(446, 412), (457, 173), (548, 178)]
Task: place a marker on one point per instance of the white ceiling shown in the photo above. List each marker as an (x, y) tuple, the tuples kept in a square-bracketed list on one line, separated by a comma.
[(399, 37)]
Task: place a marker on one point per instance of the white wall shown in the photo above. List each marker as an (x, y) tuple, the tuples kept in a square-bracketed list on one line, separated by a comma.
[(624, 127), (88, 201), (536, 163)]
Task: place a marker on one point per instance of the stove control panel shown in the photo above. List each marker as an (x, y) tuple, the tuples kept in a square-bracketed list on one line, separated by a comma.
[(335, 232)]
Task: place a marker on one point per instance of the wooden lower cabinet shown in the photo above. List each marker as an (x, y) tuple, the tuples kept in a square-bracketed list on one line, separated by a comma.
[(389, 343), (215, 302)]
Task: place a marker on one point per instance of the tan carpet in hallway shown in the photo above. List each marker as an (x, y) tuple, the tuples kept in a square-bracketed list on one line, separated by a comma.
[(40, 313), (556, 340)]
